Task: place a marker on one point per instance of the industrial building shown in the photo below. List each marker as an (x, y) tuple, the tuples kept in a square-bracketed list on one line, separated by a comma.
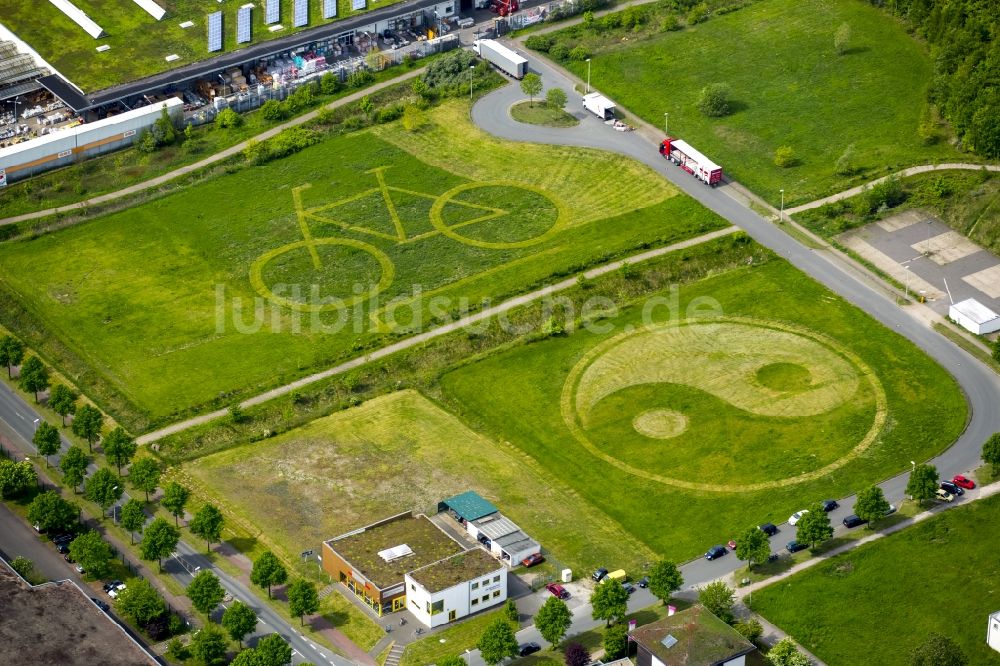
[(505, 540), (974, 317), (455, 587)]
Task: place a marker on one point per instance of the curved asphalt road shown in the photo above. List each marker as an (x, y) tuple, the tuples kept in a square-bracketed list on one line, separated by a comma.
[(981, 385)]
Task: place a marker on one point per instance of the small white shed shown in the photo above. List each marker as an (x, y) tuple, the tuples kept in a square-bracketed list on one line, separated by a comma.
[(973, 316), (993, 631)]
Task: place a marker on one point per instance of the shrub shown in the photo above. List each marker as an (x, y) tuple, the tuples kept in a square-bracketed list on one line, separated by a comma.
[(272, 110), (357, 121), (389, 113), (559, 52), (784, 157), (329, 84), (714, 100), (360, 78), (450, 70), (541, 43), (845, 163), (579, 53), (326, 116), (697, 14), (669, 23), (228, 118), (750, 630)]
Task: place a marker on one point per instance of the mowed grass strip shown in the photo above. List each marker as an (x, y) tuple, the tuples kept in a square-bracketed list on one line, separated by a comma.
[(395, 453), (789, 88), (925, 413), (887, 596)]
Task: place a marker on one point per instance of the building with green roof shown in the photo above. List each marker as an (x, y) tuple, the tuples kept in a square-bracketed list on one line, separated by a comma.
[(692, 637)]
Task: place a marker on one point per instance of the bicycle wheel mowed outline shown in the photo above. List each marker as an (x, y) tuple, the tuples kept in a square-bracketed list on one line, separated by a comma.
[(441, 227)]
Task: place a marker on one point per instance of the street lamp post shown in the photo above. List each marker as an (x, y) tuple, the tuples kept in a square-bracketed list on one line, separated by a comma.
[(588, 76), (471, 69), (666, 124), (781, 212), (913, 468), (114, 513)]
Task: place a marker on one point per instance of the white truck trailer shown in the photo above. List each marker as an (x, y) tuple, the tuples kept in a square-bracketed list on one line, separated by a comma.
[(502, 57), (599, 105)]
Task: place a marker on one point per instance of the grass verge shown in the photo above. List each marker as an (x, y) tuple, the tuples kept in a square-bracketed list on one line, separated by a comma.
[(539, 113)]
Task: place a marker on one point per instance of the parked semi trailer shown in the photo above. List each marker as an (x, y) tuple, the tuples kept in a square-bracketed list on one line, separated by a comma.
[(599, 105), (686, 157), (502, 57)]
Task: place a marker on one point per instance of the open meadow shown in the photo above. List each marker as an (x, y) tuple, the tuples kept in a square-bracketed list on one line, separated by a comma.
[(255, 278), (139, 44), (888, 595), (788, 88)]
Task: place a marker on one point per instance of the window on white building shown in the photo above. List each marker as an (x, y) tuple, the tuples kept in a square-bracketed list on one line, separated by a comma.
[(496, 594), (475, 602), (496, 579), (475, 586)]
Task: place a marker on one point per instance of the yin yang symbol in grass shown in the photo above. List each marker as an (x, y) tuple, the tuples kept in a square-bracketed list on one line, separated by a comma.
[(724, 404)]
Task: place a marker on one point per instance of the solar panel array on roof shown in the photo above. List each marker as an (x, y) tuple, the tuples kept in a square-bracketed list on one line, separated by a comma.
[(358, 4), (272, 13), (301, 14), (329, 9), (215, 31), (243, 24)]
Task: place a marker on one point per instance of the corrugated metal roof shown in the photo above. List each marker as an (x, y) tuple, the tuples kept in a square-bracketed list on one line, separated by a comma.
[(495, 528), (975, 311), (470, 505)]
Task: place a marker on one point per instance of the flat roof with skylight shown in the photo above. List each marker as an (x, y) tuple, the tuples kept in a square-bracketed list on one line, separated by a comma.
[(456, 569)]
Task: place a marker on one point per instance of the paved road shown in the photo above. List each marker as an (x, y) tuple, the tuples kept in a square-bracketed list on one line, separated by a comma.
[(20, 540), (981, 385), (19, 417)]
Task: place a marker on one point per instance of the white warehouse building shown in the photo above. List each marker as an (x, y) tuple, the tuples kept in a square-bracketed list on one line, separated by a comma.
[(484, 522), (455, 587), (973, 316)]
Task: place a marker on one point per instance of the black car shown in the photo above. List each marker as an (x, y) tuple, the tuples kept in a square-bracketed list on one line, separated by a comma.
[(62, 548), (952, 488), (101, 604), (715, 552), (768, 528), (853, 521), (829, 505), (485, 540), (629, 587), (643, 582), (111, 585), (599, 574), (62, 538), (795, 546), (525, 649)]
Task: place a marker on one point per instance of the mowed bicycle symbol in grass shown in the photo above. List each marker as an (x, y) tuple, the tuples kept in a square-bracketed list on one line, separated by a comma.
[(444, 206)]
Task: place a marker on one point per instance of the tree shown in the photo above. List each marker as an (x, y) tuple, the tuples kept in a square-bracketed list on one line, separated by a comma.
[(103, 488), (228, 118), (846, 162), (923, 483), (46, 440), (871, 504), (302, 599), (616, 641), (74, 466), (938, 650), (272, 110), (991, 450), (272, 650), (531, 85), (718, 598), (239, 620), (753, 546), (665, 579), (133, 517), (248, 657), (714, 100), (145, 475), (205, 592), (413, 117), (510, 609), (609, 602), (750, 630), (842, 39), (576, 655), (552, 620), (15, 478), (140, 601), (119, 448), (366, 105), (784, 157), (62, 400), (785, 653), (160, 539), (175, 496), (92, 552), (207, 524), (267, 571), (451, 660), (11, 353), (34, 376), (497, 642), (24, 567), (209, 644), (88, 424), (814, 527), (555, 98), (51, 513)]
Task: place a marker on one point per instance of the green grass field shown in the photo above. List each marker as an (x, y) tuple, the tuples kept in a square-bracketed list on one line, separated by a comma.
[(684, 435), (888, 595), (789, 88), (540, 114), (355, 467), (136, 295), (139, 44)]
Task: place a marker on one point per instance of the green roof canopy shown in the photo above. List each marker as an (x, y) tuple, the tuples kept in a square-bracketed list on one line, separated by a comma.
[(469, 505)]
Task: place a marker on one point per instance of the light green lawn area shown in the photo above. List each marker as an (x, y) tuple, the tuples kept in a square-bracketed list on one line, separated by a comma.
[(452, 641), (889, 595), (789, 88), (139, 44), (644, 425), (157, 311)]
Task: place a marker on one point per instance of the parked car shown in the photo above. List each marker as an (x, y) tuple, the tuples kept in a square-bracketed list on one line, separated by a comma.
[(643, 582), (963, 482), (599, 574), (103, 605), (557, 591), (830, 505), (62, 548), (80, 569), (891, 510), (715, 552), (795, 546), (797, 516), (532, 560), (952, 488), (525, 649), (110, 585), (113, 592), (629, 587), (943, 495), (485, 540), (853, 521), (768, 528)]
